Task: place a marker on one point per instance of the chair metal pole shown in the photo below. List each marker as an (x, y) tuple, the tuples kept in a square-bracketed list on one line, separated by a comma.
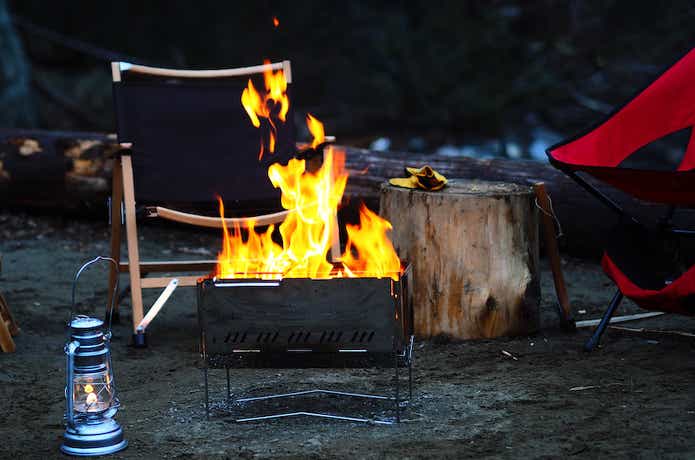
[(398, 403), (410, 380), (207, 399), (229, 389), (605, 320)]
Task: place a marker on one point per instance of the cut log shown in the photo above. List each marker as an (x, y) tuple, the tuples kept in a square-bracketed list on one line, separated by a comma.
[(474, 250)]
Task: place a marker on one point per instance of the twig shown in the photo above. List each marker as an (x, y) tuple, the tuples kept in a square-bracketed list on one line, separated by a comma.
[(506, 353), (653, 331), (591, 387), (620, 319)]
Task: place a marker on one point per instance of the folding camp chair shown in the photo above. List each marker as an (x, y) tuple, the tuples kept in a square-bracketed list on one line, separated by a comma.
[(644, 260), (8, 326), (185, 138)]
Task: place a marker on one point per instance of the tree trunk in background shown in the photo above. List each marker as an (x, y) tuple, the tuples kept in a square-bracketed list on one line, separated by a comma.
[(16, 100), (72, 171)]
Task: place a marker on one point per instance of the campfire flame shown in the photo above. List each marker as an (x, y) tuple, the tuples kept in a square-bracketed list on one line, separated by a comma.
[(368, 249), (316, 130), (274, 103), (309, 230)]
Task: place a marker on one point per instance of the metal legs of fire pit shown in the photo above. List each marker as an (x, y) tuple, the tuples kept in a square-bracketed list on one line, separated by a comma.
[(318, 414), (405, 358)]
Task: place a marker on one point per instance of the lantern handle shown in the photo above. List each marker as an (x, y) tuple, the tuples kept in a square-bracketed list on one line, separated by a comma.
[(113, 296), (69, 387)]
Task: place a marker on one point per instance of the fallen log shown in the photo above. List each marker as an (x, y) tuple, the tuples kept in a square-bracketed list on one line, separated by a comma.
[(584, 221), (72, 171)]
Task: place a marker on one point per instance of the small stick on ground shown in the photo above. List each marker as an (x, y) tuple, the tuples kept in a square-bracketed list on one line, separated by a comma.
[(620, 319), (643, 330)]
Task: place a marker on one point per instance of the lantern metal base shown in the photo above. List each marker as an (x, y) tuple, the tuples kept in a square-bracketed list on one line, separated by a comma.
[(87, 440)]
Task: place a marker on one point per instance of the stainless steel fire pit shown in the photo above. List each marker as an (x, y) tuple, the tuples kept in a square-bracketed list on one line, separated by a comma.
[(302, 322)]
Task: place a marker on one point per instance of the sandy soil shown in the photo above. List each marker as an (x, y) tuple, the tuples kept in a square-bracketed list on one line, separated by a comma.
[(628, 399)]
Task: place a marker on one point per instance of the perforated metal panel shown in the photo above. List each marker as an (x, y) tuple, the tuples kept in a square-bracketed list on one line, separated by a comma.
[(300, 315)]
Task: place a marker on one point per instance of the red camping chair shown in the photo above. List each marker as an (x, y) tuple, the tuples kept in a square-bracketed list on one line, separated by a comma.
[(645, 261)]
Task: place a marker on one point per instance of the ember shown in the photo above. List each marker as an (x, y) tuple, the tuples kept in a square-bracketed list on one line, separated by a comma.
[(310, 228)]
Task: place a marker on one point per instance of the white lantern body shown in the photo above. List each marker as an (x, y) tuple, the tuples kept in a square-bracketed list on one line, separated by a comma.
[(90, 392)]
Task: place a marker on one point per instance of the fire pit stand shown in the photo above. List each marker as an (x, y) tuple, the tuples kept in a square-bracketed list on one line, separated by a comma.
[(302, 323)]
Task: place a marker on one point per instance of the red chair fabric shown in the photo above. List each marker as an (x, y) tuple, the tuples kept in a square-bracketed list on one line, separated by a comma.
[(664, 107), (676, 297)]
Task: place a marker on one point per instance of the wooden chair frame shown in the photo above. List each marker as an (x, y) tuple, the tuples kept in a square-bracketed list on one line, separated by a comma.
[(8, 326), (123, 191)]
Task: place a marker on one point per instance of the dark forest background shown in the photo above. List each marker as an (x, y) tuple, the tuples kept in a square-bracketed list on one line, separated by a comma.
[(442, 72)]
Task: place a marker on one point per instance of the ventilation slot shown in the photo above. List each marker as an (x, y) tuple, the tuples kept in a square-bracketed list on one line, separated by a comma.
[(299, 337), (359, 337), (334, 337)]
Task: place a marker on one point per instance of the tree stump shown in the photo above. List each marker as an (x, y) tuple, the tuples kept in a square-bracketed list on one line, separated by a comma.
[(474, 250)]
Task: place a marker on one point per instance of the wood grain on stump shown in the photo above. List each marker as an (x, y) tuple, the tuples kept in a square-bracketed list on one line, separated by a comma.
[(474, 250)]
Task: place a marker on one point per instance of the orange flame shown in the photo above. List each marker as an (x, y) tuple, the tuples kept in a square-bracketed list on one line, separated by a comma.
[(276, 21), (273, 103), (374, 250), (316, 130), (309, 230)]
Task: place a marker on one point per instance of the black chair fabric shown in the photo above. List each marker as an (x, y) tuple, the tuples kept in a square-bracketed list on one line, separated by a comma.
[(193, 140)]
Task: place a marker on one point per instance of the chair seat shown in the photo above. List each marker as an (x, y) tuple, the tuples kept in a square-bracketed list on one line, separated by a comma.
[(676, 297), (668, 187)]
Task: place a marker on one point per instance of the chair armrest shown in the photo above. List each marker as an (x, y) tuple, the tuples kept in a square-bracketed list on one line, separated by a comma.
[(214, 222)]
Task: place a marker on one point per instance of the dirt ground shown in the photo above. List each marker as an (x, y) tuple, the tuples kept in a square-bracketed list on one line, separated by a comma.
[(630, 398)]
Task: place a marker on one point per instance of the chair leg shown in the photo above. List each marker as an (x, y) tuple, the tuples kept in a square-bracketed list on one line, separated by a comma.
[(335, 246), (116, 200), (229, 390), (398, 385), (132, 240), (605, 320), (7, 344), (207, 396), (410, 381)]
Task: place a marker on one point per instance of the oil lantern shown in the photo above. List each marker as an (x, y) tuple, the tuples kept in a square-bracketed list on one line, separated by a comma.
[(90, 389)]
